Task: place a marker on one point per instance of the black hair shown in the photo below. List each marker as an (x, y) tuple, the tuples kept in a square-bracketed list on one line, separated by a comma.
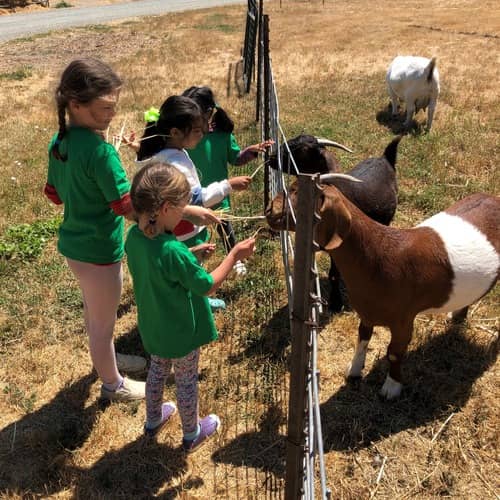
[(204, 97), (83, 80), (176, 112)]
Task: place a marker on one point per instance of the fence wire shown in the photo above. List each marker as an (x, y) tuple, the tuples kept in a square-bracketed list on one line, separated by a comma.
[(313, 466)]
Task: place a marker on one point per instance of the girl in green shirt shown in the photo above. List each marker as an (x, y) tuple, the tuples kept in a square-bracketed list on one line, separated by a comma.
[(86, 175), (216, 150), (171, 288)]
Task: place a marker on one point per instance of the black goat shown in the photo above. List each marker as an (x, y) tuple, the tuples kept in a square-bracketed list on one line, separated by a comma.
[(310, 155), (376, 196)]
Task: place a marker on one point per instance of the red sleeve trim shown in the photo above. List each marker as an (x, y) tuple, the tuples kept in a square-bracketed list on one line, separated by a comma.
[(123, 206), (184, 227), (51, 193)]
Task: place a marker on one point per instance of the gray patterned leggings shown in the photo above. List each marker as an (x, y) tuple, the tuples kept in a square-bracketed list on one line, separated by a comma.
[(186, 383)]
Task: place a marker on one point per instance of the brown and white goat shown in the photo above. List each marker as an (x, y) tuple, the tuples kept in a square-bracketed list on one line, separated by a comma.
[(446, 263)]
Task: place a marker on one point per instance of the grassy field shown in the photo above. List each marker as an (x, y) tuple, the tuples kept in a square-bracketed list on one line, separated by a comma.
[(440, 439)]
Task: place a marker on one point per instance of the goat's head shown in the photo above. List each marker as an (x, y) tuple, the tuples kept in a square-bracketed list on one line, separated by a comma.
[(335, 216), (310, 155)]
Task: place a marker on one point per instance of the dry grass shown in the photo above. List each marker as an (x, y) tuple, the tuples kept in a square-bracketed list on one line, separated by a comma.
[(439, 440)]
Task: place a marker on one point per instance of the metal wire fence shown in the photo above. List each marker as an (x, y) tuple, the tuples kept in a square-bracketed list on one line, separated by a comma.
[(305, 468)]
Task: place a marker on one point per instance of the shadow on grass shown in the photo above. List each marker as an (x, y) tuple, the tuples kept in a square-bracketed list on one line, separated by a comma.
[(263, 449), (138, 470), (396, 123), (439, 376), (130, 343), (34, 450), (272, 342), (36, 454)]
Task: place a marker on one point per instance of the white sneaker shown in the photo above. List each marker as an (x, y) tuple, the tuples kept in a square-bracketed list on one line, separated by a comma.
[(130, 390), (129, 363), (240, 268)]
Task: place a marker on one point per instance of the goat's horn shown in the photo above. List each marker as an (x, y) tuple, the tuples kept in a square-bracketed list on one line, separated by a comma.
[(329, 177), (328, 142)]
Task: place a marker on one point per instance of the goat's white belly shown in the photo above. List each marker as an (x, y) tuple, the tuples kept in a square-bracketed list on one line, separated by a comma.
[(472, 257)]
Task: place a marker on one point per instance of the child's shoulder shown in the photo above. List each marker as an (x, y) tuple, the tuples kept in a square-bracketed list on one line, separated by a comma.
[(171, 155)]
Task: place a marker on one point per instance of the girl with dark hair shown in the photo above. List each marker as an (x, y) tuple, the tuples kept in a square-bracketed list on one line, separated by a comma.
[(216, 150), (85, 173), (179, 126)]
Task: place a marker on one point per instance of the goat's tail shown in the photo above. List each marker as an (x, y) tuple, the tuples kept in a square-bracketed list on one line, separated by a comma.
[(391, 151), (430, 69)]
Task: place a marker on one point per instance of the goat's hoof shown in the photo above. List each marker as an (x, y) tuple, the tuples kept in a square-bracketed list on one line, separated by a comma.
[(391, 388)]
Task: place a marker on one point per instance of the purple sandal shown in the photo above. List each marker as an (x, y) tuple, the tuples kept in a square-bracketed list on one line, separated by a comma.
[(167, 410), (209, 425)]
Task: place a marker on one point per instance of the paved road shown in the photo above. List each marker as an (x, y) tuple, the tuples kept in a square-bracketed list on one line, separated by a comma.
[(21, 25)]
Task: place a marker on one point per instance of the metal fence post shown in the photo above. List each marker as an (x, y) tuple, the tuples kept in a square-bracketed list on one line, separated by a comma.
[(301, 332)]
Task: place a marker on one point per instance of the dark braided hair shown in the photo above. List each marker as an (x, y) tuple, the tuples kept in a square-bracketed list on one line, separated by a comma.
[(204, 97), (83, 80), (176, 112)]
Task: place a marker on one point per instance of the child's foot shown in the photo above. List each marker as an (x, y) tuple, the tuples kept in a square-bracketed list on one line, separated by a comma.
[(208, 427), (216, 304), (167, 410), (128, 390), (129, 363)]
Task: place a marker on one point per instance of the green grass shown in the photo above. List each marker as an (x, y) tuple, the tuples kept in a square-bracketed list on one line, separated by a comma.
[(62, 5), (218, 22), (24, 242), (18, 74)]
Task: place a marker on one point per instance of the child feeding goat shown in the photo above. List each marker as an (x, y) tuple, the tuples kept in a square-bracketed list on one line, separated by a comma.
[(445, 264)]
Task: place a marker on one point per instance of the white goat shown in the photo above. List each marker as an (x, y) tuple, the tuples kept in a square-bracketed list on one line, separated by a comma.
[(414, 80)]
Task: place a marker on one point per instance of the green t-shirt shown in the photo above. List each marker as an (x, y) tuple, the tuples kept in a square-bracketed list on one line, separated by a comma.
[(87, 182), (211, 157), (174, 315)]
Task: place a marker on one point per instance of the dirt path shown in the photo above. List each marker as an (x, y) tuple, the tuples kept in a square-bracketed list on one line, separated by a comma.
[(42, 20), (53, 3)]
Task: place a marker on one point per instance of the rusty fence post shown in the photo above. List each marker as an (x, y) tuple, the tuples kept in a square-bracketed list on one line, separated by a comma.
[(303, 280)]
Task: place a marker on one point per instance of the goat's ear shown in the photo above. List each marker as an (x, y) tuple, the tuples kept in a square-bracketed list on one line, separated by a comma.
[(335, 222)]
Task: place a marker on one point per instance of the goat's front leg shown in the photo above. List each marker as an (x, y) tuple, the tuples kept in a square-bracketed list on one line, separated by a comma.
[(400, 338), (410, 111), (430, 113), (355, 367), (394, 101)]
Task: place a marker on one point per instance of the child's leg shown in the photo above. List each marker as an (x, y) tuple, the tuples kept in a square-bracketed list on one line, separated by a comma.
[(101, 289), (226, 232), (158, 371), (186, 381)]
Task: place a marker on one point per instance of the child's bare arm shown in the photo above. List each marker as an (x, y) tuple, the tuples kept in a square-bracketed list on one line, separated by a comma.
[(200, 216), (240, 251), (251, 152)]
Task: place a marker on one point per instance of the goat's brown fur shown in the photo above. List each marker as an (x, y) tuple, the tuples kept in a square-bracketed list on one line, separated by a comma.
[(391, 274)]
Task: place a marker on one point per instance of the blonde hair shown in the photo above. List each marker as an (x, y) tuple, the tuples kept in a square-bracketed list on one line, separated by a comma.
[(153, 185)]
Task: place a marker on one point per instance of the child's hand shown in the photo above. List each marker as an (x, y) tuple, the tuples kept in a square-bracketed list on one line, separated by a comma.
[(261, 146), (131, 142), (240, 183), (244, 249), (200, 216), (203, 250)]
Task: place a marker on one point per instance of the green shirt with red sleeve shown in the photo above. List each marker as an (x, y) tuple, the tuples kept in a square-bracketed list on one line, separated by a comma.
[(88, 182), (174, 316)]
